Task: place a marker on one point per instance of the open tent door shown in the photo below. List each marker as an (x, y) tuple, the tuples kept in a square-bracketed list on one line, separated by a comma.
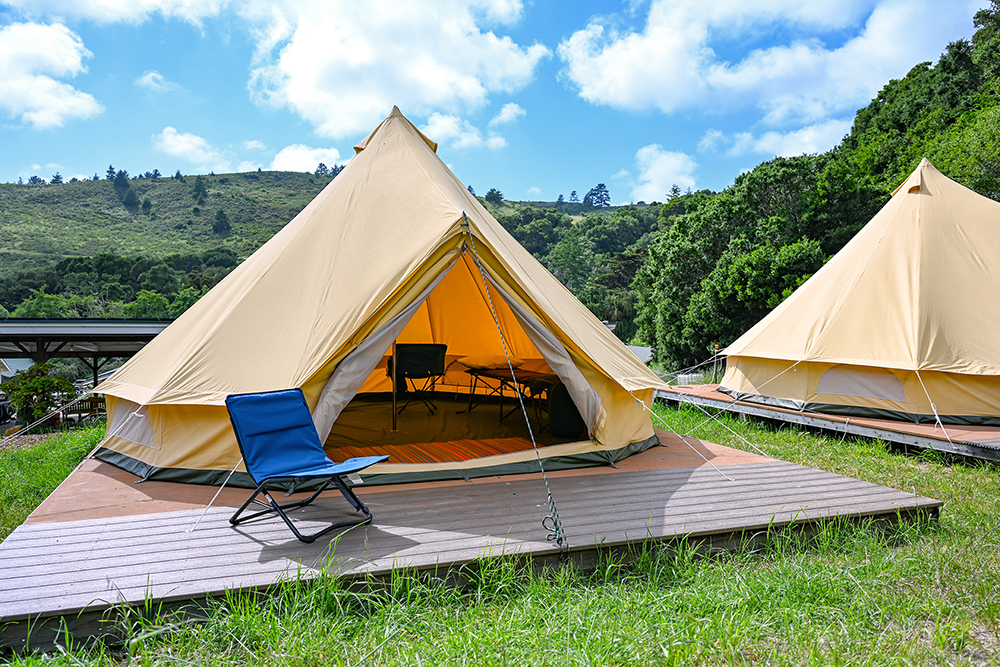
[(354, 413)]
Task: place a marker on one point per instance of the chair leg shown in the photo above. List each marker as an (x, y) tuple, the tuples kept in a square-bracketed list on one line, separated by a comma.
[(279, 509), (422, 395)]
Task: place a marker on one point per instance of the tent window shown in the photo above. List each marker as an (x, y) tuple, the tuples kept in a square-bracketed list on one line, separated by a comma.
[(861, 381)]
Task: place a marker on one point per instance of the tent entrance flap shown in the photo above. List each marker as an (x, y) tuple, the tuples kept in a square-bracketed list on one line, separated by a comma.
[(351, 373)]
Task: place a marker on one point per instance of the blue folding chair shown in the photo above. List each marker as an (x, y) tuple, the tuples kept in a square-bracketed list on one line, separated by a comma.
[(279, 444)]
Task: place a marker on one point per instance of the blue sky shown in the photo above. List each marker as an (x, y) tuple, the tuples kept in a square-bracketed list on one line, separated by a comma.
[(535, 99)]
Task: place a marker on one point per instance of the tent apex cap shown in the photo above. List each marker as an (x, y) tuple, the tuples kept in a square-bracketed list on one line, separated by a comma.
[(394, 116)]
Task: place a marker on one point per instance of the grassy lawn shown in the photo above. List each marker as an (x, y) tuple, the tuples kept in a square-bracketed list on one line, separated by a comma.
[(922, 594)]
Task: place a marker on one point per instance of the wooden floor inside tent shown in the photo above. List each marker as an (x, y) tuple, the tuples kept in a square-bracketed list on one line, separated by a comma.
[(981, 442), (101, 540)]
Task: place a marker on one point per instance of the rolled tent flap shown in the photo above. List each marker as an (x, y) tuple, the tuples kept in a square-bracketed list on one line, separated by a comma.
[(557, 357)]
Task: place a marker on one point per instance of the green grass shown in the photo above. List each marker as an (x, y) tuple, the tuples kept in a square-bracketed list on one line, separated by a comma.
[(29, 475), (915, 594)]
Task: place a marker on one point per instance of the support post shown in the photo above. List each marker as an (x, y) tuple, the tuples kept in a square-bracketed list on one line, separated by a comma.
[(393, 376)]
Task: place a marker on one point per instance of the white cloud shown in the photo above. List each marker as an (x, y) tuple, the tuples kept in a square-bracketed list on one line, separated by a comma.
[(32, 59), (508, 114), (658, 170), (192, 148), (672, 64), (814, 138), (459, 133), (299, 157), (254, 145), (534, 190), (248, 165), (342, 64), (154, 81)]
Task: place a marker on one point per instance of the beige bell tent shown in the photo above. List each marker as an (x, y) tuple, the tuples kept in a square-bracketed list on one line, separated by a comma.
[(900, 324), (395, 249)]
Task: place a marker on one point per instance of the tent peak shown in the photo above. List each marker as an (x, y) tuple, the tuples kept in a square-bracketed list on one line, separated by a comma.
[(392, 122), (915, 182)]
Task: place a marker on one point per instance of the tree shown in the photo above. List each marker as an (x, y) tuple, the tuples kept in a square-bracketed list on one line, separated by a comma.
[(675, 191), (322, 170), (110, 175), (572, 260), (130, 200), (560, 200), (44, 306), (147, 205), (471, 190), (34, 392), (597, 196), (160, 278), (573, 199), (221, 256), (36, 180), (200, 190), (121, 183), (148, 305), (221, 224), (185, 298), (178, 176), (57, 179), (986, 41), (155, 175), (494, 197)]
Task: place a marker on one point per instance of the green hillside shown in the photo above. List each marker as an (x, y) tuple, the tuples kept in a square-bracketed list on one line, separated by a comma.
[(42, 224)]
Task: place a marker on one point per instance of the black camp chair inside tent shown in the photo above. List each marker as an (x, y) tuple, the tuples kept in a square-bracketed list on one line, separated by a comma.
[(280, 445), (418, 361)]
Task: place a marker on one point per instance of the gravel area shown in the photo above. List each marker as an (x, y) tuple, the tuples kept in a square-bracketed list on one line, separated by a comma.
[(22, 441)]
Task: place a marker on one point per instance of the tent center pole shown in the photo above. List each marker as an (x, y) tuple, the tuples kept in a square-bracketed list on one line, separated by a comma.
[(392, 374)]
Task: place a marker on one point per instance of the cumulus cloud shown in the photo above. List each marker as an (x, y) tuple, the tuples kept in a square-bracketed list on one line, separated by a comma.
[(658, 170), (192, 148), (342, 64), (672, 63), (254, 145), (299, 157), (508, 114), (32, 58), (155, 82), (459, 133), (814, 138)]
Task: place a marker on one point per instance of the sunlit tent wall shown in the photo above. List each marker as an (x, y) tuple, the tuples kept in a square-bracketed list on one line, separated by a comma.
[(394, 249), (900, 324)]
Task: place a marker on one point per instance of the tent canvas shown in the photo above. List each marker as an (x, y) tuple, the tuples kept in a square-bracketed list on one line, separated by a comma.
[(899, 324), (395, 248)]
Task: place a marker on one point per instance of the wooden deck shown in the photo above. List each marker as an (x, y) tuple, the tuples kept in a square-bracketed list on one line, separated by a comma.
[(981, 442), (102, 540)]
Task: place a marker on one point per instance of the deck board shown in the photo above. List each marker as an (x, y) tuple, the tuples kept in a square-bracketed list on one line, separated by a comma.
[(981, 442), (53, 568)]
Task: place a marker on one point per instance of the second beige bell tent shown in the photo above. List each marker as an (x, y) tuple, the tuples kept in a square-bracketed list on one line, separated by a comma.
[(900, 324), (394, 251)]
